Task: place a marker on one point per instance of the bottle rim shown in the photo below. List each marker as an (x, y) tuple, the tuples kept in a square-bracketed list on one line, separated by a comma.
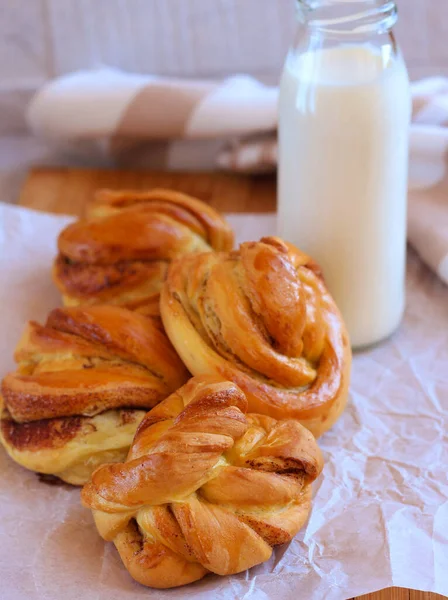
[(377, 16)]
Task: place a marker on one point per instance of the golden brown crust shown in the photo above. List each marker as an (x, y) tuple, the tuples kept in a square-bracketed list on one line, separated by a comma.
[(47, 433), (53, 433), (87, 392), (262, 318), (205, 488), (110, 358), (191, 212), (70, 448), (101, 282), (85, 362), (121, 254)]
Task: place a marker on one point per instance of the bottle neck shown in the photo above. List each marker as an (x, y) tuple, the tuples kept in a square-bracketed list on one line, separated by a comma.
[(348, 18)]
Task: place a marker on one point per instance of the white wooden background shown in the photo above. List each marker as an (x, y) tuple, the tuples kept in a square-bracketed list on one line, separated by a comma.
[(40, 39)]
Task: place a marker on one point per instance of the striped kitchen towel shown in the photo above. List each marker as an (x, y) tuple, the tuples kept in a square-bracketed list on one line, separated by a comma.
[(143, 120), (149, 121)]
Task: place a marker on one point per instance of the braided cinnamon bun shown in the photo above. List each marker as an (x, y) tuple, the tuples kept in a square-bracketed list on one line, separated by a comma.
[(262, 317), (84, 382), (205, 488), (121, 254)]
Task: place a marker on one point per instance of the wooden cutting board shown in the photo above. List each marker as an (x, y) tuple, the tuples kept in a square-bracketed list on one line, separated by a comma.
[(66, 190)]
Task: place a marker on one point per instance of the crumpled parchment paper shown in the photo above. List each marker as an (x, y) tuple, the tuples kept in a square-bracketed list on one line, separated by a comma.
[(380, 514)]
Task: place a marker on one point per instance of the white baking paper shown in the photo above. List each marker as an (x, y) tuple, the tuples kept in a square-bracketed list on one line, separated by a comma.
[(380, 514)]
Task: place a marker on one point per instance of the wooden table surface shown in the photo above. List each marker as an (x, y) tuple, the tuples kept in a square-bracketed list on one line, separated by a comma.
[(66, 191)]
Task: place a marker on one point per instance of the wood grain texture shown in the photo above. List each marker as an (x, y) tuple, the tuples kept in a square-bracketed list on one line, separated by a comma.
[(389, 594), (66, 191), (400, 594)]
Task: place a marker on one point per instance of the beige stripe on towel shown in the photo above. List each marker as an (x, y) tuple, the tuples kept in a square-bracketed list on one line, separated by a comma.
[(162, 111)]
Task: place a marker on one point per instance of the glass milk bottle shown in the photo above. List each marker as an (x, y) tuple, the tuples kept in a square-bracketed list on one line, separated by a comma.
[(344, 115)]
